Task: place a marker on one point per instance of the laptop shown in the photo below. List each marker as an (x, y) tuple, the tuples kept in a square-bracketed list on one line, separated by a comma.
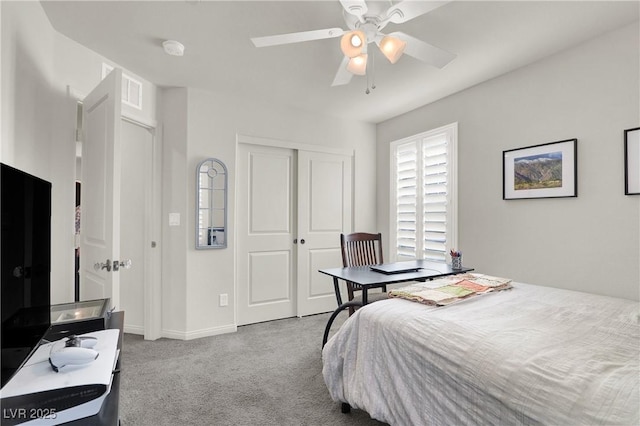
[(396, 268)]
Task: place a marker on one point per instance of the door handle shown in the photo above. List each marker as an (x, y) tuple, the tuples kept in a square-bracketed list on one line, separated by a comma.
[(124, 264), (18, 271), (302, 241), (107, 265)]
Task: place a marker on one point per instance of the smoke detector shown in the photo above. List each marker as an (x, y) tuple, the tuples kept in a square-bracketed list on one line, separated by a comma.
[(173, 48)]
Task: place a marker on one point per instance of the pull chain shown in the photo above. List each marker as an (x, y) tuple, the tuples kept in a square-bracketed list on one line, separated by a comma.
[(373, 72), (373, 77)]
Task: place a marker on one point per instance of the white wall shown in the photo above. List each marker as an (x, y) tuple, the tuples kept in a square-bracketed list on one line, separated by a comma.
[(2, 61), (589, 243), (38, 117), (212, 124), (31, 126), (173, 109)]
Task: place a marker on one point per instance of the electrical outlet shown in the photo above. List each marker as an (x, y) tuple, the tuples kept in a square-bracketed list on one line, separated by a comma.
[(224, 299)]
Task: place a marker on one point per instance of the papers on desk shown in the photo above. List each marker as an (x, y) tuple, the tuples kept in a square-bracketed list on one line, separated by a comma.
[(447, 290)]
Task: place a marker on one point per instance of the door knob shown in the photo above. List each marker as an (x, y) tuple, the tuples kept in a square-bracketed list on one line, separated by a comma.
[(107, 265), (18, 271), (124, 264), (302, 241)]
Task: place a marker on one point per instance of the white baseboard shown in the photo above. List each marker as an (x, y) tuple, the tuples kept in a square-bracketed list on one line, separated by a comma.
[(133, 329), (197, 334)]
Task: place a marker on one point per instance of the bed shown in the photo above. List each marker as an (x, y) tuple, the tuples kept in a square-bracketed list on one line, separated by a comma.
[(527, 355)]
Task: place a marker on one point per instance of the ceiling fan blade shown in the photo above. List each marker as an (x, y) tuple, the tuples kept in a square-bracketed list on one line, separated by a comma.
[(409, 9), (355, 7), (343, 76), (276, 40), (424, 51)]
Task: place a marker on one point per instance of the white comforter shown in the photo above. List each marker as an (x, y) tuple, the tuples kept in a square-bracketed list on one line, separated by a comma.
[(529, 355)]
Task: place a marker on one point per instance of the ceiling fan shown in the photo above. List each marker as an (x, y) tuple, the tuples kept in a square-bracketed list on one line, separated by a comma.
[(365, 23)]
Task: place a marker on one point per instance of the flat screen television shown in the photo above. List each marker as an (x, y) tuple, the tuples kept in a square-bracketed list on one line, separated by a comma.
[(25, 293)]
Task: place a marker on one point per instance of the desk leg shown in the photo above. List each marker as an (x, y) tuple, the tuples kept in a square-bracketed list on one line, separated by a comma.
[(333, 316), (336, 287)]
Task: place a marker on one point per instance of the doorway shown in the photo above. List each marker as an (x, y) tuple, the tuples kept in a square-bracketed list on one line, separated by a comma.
[(293, 203), (135, 205), (139, 207)]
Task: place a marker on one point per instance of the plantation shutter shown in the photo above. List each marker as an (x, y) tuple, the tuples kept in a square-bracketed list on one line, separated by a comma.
[(435, 191), (423, 209), (407, 200)]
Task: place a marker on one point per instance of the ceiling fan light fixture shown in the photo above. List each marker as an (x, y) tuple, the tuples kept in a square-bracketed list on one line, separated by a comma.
[(392, 48), (353, 43), (358, 64)]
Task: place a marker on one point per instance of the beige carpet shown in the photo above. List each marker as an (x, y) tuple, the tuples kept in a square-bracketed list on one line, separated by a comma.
[(264, 374)]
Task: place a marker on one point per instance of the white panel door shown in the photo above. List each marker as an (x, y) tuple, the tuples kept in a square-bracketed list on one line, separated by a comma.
[(100, 217), (324, 211), (266, 225)]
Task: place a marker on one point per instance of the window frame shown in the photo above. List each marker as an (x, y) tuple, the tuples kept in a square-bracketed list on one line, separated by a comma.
[(450, 131)]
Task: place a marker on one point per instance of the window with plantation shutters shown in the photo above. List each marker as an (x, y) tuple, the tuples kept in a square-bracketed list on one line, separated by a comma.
[(423, 195), (406, 200)]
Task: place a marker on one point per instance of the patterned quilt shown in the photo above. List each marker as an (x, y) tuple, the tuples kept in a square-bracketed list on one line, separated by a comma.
[(447, 290)]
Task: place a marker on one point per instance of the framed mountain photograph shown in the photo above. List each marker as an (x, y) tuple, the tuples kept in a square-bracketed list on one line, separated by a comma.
[(632, 161), (548, 170)]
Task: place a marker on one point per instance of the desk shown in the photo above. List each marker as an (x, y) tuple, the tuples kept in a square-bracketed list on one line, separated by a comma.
[(365, 278)]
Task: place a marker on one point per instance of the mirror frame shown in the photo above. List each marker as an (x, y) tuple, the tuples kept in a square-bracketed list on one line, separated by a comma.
[(199, 190)]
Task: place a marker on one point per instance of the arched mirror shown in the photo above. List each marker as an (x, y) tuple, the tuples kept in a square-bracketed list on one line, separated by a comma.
[(211, 204)]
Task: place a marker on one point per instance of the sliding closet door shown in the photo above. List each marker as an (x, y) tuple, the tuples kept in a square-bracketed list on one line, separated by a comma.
[(292, 206), (266, 225), (324, 211)]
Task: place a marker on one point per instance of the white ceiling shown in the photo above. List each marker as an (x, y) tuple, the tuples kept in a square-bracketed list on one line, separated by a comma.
[(489, 38)]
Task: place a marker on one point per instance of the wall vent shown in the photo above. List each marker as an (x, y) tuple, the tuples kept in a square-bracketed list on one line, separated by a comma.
[(131, 88)]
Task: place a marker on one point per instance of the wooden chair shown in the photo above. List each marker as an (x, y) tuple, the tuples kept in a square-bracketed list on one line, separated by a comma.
[(362, 249), (358, 249)]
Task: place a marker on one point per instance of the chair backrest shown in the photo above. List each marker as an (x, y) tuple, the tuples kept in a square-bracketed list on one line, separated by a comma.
[(361, 248)]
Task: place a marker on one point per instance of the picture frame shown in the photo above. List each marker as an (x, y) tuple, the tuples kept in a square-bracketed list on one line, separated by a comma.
[(632, 161), (548, 170)]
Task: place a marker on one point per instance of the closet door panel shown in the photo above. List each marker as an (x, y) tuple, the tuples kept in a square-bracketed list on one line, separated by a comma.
[(266, 225), (324, 211)]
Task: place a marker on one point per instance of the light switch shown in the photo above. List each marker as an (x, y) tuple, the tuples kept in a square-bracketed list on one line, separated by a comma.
[(174, 219)]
